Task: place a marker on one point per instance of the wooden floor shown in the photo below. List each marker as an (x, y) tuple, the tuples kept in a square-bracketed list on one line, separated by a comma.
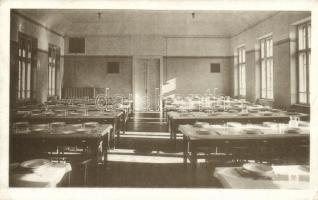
[(145, 158)]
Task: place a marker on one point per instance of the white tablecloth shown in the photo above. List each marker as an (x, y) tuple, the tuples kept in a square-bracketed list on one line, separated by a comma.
[(48, 176), (286, 177)]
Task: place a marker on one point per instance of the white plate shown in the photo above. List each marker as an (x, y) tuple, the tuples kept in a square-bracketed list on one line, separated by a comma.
[(81, 130), (35, 163), (258, 168), (68, 132)]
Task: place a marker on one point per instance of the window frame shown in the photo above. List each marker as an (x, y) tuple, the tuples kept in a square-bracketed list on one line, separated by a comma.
[(52, 81), (267, 58), (241, 62), (25, 67), (306, 51)]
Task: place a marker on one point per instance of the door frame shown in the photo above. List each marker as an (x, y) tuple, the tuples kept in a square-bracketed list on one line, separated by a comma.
[(160, 76)]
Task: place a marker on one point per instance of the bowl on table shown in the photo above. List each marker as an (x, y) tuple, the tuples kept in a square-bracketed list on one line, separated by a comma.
[(21, 125), (292, 130), (201, 125), (91, 124), (258, 169), (233, 124), (34, 164), (243, 113), (270, 124), (82, 130), (77, 125), (252, 131), (68, 132), (253, 111), (266, 113), (57, 124)]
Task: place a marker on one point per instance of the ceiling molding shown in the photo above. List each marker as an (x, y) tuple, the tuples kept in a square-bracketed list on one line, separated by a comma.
[(259, 22), (36, 22)]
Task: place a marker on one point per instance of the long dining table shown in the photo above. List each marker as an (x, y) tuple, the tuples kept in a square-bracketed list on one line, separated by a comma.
[(175, 119), (72, 116), (94, 138), (277, 139)]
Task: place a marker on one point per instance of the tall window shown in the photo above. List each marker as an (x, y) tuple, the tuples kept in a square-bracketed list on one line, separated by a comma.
[(304, 57), (267, 68), (25, 61), (53, 66), (241, 72)]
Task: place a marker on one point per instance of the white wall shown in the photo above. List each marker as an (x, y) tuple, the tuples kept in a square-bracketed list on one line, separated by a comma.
[(155, 46)]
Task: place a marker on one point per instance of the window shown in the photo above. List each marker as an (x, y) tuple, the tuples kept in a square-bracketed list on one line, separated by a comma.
[(241, 72), (113, 67), (267, 68), (304, 57), (215, 68), (53, 67), (25, 67)]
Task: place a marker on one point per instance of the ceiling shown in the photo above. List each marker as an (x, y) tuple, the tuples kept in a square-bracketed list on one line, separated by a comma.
[(146, 22)]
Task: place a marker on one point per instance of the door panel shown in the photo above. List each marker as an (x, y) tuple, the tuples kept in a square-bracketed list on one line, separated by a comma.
[(140, 84), (147, 83), (153, 83)]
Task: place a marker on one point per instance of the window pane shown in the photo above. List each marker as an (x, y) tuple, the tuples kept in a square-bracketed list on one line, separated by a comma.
[(267, 48), (243, 55), (300, 38), (243, 80), (29, 80), (19, 80), (302, 72), (309, 36), (53, 81), (23, 80), (263, 79), (302, 98), (262, 49), (49, 79)]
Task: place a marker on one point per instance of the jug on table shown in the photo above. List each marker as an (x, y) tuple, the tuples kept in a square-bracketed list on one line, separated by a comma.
[(293, 121)]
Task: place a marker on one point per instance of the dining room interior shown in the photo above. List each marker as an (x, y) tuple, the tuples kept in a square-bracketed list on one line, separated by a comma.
[(159, 98)]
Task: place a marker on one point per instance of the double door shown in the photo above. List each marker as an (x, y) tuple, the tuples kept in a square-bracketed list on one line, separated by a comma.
[(146, 84)]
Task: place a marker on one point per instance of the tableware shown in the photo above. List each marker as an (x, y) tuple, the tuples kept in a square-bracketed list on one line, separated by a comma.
[(82, 130), (252, 131), (292, 130), (270, 124), (39, 130), (90, 124), (243, 114), (267, 113), (21, 125), (57, 124), (293, 121), (233, 124), (73, 113), (77, 125), (201, 124), (43, 126), (258, 168), (68, 132), (34, 163)]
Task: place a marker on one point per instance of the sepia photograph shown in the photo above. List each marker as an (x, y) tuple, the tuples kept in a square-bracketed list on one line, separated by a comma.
[(159, 99)]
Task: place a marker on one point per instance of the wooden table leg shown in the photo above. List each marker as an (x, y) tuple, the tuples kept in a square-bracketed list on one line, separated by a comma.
[(95, 171), (185, 152), (194, 162)]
